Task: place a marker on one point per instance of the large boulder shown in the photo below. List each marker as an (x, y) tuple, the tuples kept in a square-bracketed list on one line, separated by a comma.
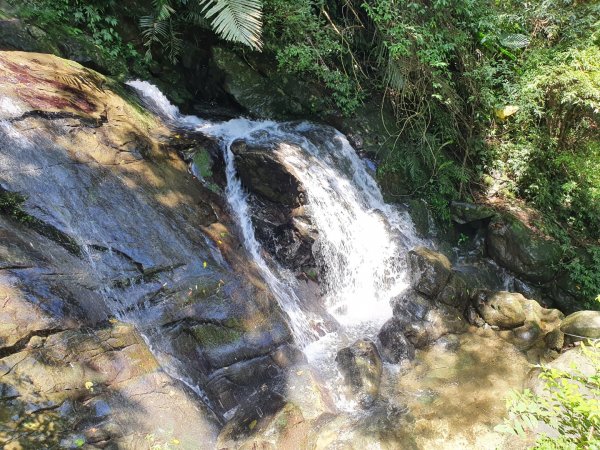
[(394, 345), (422, 320), (501, 309), (429, 271), (361, 366), (582, 325), (523, 251)]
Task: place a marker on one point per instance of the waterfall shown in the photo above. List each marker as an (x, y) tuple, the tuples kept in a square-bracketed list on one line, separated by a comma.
[(362, 240)]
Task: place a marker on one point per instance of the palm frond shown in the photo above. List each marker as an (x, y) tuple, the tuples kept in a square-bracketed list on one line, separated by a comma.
[(236, 20)]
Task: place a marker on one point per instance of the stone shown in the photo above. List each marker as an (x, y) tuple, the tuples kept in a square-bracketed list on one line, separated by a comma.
[(518, 248), (361, 367), (420, 215), (502, 309), (455, 293), (260, 93), (464, 212), (582, 325), (555, 340), (263, 173), (429, 271), (171, 261), (525, 336), (395, 347), (573, 361), (411, 304), (16, 35), (473, 316)]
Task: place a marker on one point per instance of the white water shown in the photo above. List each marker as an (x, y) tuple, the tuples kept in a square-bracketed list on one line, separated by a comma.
[(362, 241)]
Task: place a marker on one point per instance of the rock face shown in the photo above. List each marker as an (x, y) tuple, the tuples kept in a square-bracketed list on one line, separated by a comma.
[(263, 173), (500, 309), (100, 218), (581, 325), (360, 365), (510, 243), (277, 198)]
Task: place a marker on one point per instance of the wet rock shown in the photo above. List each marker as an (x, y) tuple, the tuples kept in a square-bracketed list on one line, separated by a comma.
[(148, 247), (395, 347), (254, 414), (464, 212), (429, 271), (421, 217), (501, 309), (525, 336), (423, 320), (514, 246), (473, 316), (411, 305), (280, 221), (581, 325), (450, 343), (262, 94), (361, 366), (455, 293), (263, 173)]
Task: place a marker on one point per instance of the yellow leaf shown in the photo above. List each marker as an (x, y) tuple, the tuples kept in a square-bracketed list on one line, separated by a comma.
[(205, 264), (506, 111), (252, 424), (175, 441), (89, 386)]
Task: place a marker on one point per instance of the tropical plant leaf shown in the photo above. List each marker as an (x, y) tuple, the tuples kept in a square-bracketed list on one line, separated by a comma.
[(514, 41), (236, 20)]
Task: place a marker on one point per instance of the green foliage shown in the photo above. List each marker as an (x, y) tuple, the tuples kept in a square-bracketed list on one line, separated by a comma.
[(569, 405), (308, 44), (11, 204), (79, 19), (233, 20), (584, 274)]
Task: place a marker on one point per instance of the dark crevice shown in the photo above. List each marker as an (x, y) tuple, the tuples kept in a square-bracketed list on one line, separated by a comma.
[(22, 343), (52, 115), (16, 267), (191, 322)]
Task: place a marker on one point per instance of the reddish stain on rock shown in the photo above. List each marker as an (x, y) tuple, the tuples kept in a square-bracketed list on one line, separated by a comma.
[(67, 94)]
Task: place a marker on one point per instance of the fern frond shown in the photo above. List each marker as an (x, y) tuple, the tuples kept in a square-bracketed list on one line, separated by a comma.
[(236, 20)]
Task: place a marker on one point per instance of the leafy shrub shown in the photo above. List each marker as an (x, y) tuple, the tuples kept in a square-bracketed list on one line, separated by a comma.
[(78, 19), (569, 405)]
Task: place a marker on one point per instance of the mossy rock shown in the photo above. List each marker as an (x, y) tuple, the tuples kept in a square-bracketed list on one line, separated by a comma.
[(518, 248), (212, 335)]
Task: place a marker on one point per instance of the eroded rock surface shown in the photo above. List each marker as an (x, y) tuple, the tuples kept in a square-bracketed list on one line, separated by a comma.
[(99, 219)]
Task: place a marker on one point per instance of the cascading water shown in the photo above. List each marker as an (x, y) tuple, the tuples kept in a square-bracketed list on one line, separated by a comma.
[(361, 242)]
